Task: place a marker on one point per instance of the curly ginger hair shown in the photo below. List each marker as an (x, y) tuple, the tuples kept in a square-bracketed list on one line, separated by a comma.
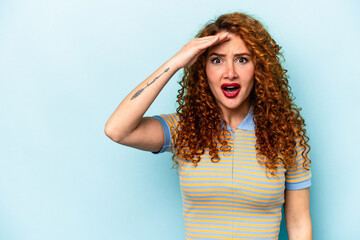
[(278, 123)]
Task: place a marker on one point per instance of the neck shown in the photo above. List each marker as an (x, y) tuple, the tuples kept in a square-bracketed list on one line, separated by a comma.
[(234, 117)]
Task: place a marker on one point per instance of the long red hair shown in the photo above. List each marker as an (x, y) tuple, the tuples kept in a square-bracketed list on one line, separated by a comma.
[(278, 123)]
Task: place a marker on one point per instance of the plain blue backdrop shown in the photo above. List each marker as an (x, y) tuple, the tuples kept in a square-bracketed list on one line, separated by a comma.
[(66, 65)]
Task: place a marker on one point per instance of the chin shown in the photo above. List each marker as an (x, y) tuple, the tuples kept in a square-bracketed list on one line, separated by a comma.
[(234, 104)]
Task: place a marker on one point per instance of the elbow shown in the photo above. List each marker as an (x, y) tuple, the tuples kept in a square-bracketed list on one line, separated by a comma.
[(113, 135)]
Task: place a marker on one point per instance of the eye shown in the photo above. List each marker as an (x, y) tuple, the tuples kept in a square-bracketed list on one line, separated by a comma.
[(243, 60), (215, 60)]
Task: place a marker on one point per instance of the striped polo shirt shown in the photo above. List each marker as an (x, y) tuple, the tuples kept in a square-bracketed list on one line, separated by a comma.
[(233, 198)]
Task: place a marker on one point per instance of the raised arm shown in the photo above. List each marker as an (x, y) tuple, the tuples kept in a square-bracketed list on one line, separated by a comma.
[(127, 125)]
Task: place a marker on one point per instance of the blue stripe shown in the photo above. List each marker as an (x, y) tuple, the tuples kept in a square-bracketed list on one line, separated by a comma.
[(167, 135), (299, 185)]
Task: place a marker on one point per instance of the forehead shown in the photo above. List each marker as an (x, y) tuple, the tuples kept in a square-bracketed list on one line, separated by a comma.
[(234, 45)]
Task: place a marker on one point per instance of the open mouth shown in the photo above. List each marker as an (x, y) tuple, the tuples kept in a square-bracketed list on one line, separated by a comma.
[(230, 90)]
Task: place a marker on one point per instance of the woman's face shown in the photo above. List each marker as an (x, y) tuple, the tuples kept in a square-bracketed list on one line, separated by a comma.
[(230, 74)]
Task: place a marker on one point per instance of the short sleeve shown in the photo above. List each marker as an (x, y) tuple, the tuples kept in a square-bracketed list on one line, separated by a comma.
[(169, 124), (298, 177)]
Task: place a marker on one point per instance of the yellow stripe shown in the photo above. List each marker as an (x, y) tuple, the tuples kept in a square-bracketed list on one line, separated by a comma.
[(276, 202), (228, 233), (214, 187), (230, 159), (243, 133), (227, 228), (232, 190), (222, 170), (253, 173), (291, 176), (248, 149), (196, 178), (238, 142), (224, 222), (207, 236), (207, 169), (274, 180), (298, 158), (297, 180), (227, 160), (256, 220), (231, 195), (233, 213), (233, 208), (234, 204), (251, 138), (225, 170), (225, 180)]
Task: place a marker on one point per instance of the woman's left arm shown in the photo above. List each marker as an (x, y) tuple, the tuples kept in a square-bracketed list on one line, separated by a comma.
[(297, 214)]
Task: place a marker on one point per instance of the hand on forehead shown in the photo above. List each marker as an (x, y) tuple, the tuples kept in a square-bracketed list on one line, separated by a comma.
[(233, 45)]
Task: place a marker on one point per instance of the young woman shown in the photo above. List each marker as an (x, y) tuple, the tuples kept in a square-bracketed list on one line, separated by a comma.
[(238, 139)]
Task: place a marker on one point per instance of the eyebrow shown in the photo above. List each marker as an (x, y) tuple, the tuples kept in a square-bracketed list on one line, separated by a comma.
[(236, 54)]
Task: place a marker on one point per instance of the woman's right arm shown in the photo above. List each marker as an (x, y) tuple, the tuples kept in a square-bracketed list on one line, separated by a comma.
[(127, 125)]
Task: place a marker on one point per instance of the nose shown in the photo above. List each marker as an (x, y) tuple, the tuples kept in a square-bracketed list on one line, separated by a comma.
[(230, 72)]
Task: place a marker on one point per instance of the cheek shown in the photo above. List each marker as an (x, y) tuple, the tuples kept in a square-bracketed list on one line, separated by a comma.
[(211, 76), (250, 70), (250, 84), (248, 81), (249, 76), (213, 72)]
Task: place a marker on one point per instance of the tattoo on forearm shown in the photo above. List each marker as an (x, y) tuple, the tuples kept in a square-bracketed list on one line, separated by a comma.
[(148, 84)]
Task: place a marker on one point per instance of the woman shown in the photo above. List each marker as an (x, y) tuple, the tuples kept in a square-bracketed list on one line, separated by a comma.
[(238, 139)]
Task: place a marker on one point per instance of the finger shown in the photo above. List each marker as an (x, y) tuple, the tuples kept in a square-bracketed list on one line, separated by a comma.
[(217, 39), (222, 39), (219, 36), (206, 42), (207, 37)]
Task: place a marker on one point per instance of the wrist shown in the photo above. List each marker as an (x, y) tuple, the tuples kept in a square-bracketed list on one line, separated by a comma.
[(174, 64)]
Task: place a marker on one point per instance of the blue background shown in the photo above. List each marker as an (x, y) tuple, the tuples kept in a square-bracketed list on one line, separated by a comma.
[(66, 65)]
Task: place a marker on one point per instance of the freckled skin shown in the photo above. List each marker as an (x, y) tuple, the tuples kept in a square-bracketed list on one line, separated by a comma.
[(230, 62)]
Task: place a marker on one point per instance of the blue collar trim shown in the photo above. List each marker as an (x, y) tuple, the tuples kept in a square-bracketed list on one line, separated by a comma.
[(246, 124)]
